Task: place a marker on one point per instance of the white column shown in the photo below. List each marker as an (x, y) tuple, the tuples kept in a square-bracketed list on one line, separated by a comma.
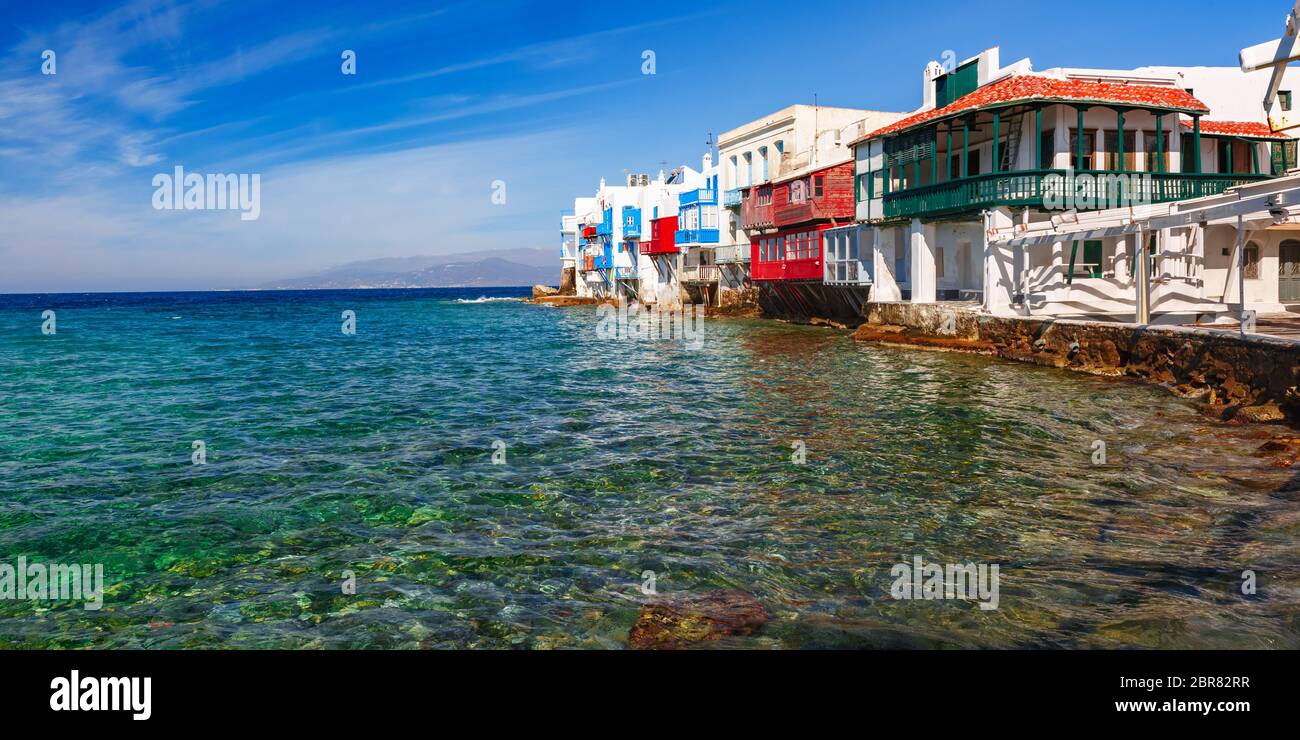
[(1175, 143), (999, 267), (1056, 276), (1061, 140), (1123, 253), (924, 282), (884, 286)]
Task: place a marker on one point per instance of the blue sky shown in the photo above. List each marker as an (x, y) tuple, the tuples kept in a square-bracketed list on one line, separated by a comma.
[(400, 159)]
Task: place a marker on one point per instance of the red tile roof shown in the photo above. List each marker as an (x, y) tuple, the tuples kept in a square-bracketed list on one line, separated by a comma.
[(1027, 88), (1249, 129)]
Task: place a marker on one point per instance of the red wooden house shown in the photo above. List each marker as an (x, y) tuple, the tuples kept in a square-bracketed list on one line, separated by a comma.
[(801, 208), (662, 232)]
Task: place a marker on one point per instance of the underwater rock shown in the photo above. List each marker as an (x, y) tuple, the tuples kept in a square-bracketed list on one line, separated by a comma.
[(1267, 412), (682, 621)]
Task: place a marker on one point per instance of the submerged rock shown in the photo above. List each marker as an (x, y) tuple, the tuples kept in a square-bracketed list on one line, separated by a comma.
[(1256, 414), (678, 622)]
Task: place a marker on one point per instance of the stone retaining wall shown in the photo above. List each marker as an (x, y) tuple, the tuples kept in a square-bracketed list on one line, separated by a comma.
[(1244, 378)]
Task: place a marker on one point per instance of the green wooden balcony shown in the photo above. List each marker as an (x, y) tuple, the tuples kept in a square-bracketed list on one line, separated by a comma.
[(1049, 189)]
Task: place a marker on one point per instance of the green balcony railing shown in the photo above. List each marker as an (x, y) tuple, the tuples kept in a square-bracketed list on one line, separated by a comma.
[(1058, 190)]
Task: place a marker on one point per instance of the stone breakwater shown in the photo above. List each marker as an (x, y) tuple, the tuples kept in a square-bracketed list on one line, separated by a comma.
[(1240, 379)]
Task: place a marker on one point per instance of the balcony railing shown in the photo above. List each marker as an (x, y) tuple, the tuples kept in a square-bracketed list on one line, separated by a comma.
[(1051, 188), (700, 274), (702, 196), (732, 254), (696, 236), (732, 198), (625, 272), (756, 215), (658, 247)]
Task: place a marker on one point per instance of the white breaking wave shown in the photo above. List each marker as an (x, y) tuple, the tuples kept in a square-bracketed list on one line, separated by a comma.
[(485, 299)]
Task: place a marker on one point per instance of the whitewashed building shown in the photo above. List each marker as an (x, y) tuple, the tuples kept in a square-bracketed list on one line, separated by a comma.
[(1004, 147)]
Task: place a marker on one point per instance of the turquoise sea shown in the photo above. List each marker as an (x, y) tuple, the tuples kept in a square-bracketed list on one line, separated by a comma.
[(373, 453)]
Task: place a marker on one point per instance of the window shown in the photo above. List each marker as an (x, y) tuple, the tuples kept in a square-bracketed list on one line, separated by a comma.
[(1046, 145), (733, 171), (1284, 97), (1089, 145), (798, 191), (938, 263), (1251, 255), (1153, 163), (762, 164), (819, 186), (749, 169), (764, 197), (1283, 156), (709, 217), (1110, 150)]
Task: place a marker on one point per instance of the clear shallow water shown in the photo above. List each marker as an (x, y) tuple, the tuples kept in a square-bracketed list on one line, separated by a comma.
[(372, 453)]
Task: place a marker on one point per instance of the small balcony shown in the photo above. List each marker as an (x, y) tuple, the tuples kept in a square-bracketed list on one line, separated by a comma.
[(699, 196), (755, 214), (631, 222), (624, 272), (732, 198), (700, 274), (588, 232), (811, 209), (603, 258), (732, 254), (696, 236), (655, 247)]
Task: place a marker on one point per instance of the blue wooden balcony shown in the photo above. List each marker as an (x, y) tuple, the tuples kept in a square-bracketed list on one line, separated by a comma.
[(696, 236), (625, 272), (699, 196), (732, 198), (631, 222), (606, 225), (604, 258)]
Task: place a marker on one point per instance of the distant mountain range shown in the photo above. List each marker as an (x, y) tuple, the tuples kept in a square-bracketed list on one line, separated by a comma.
[(488, 268)]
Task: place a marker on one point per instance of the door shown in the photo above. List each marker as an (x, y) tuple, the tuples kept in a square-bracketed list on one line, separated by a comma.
[(1288, 272), (1092, 258)]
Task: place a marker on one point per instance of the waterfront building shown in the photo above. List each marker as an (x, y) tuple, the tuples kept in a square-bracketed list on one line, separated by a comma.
[(787, 143), (1003, 147), (697, 234), (588, 251)]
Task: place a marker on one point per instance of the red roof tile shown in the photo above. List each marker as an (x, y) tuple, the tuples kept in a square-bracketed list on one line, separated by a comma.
[(1249, 129), (1026, 88)]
